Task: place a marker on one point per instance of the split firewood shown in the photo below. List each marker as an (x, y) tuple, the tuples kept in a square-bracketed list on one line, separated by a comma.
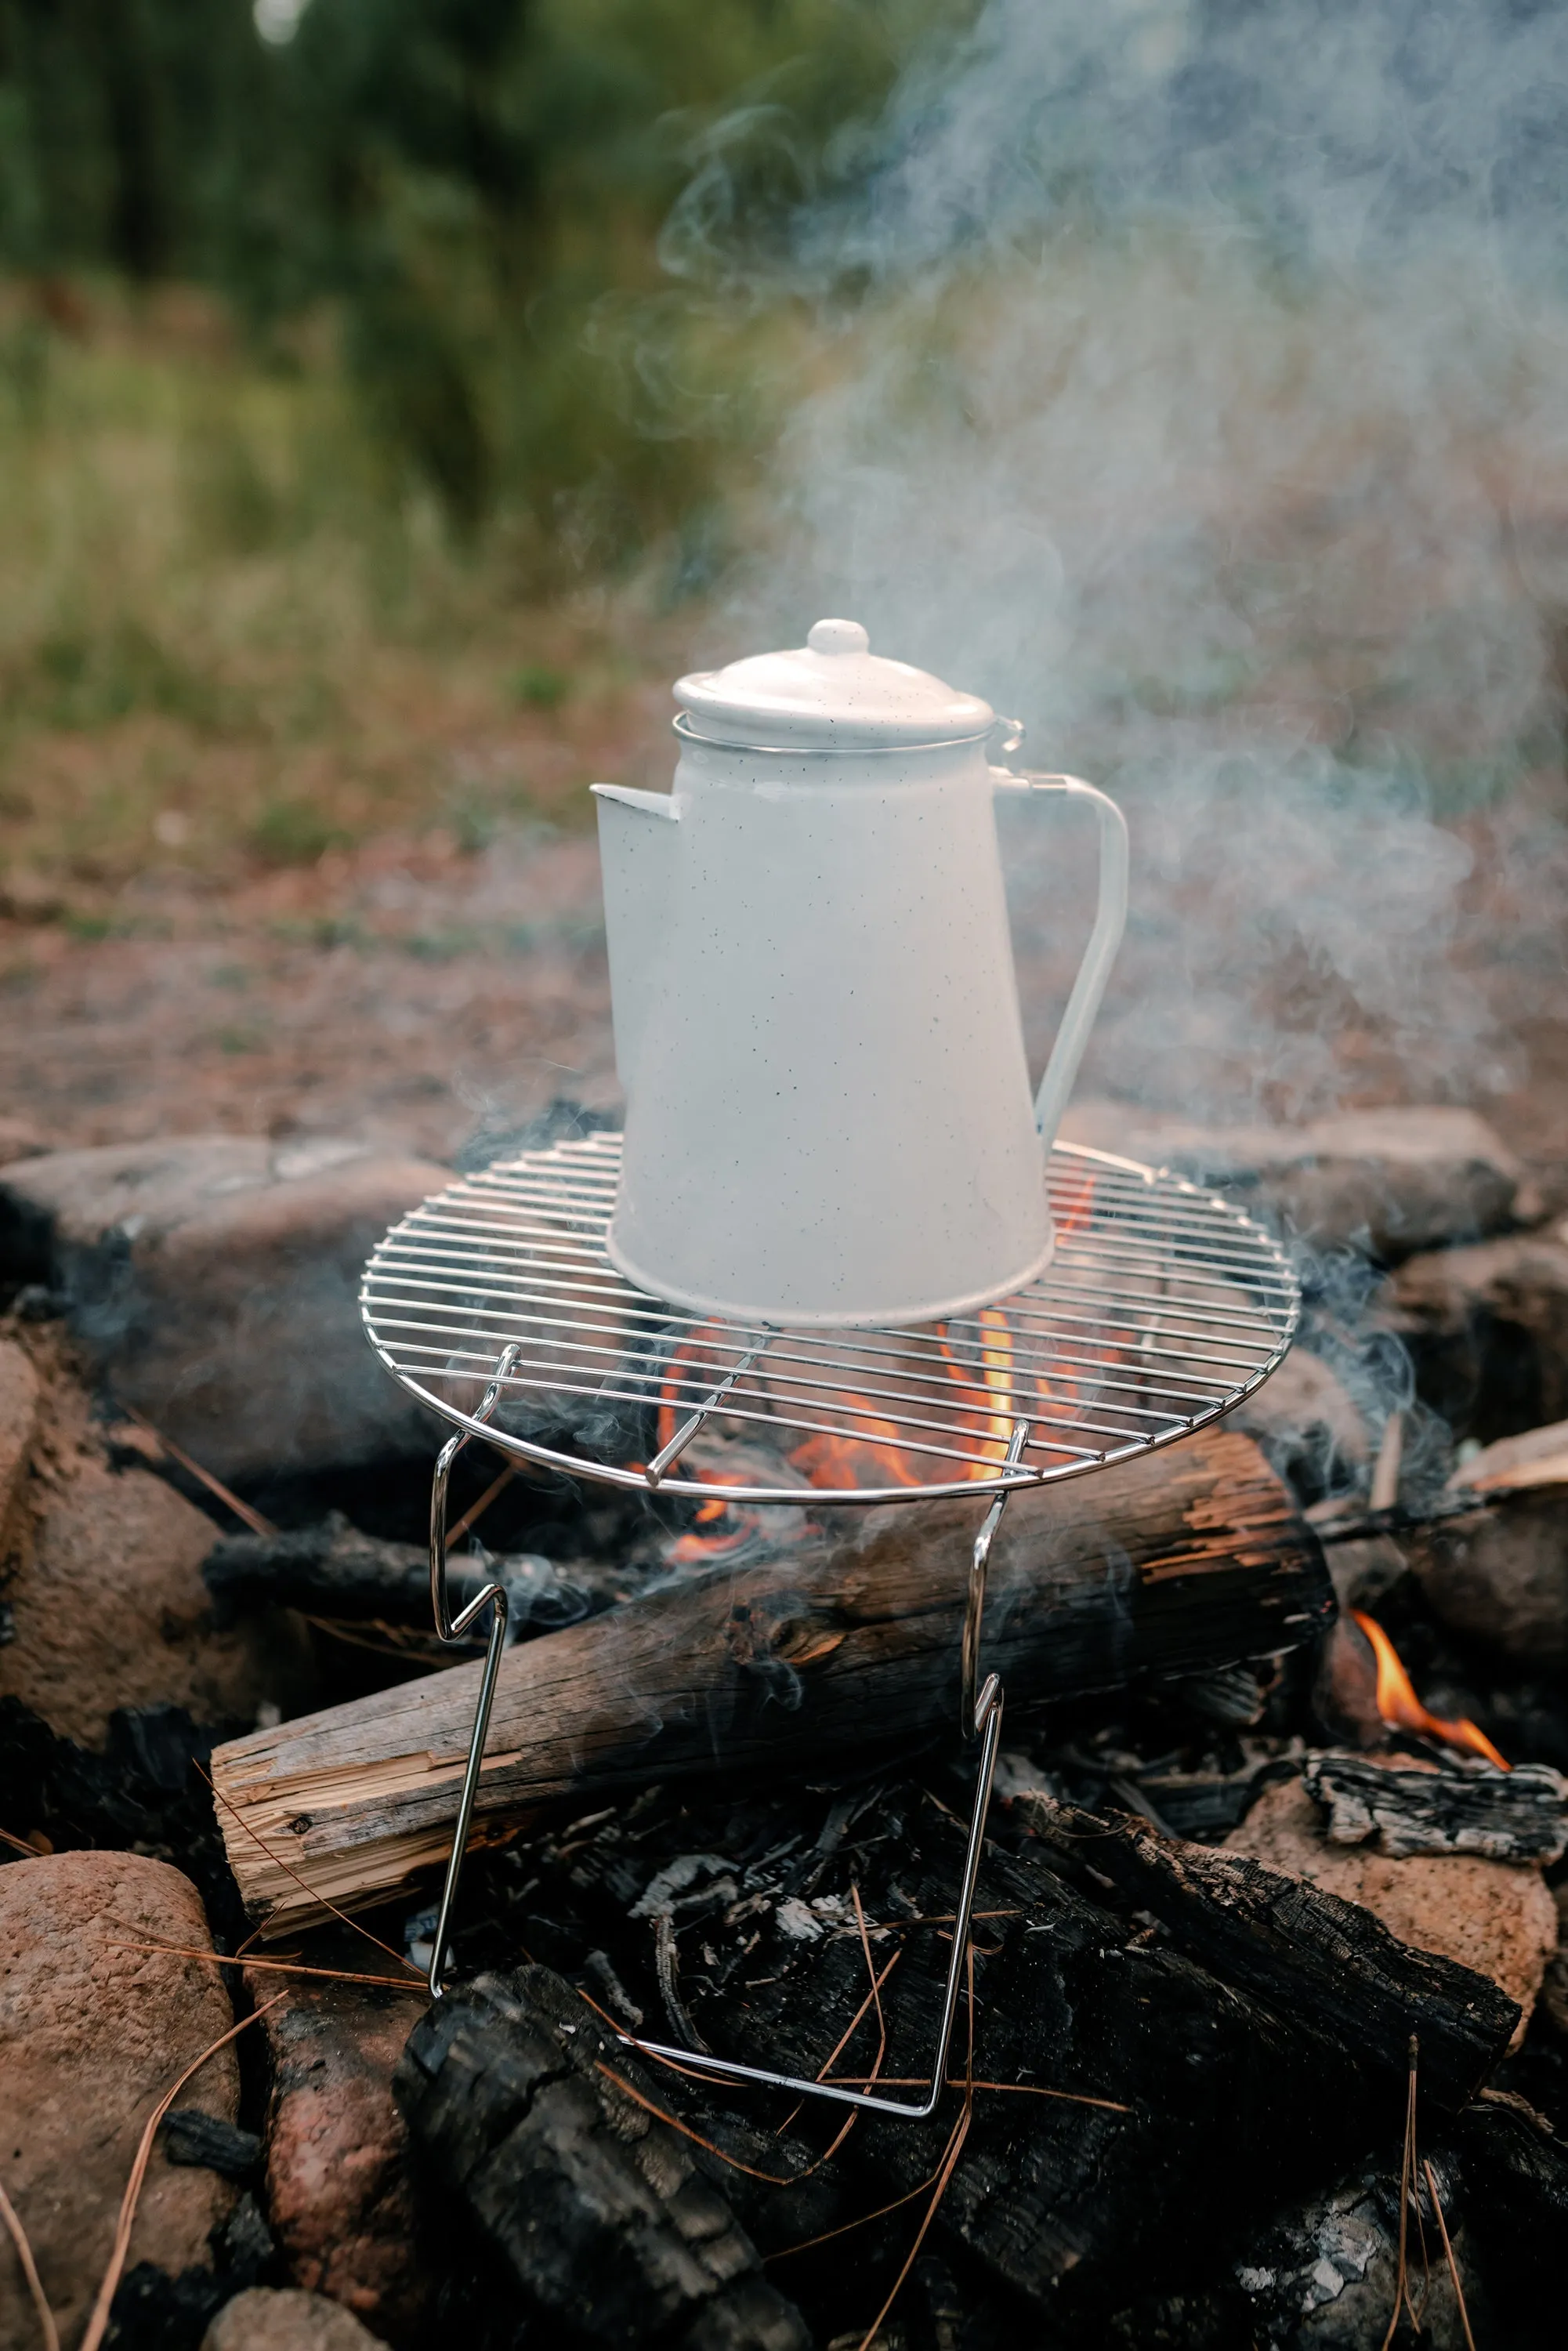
[(1518, 1816), (1326, 1965), (1169, 1565)]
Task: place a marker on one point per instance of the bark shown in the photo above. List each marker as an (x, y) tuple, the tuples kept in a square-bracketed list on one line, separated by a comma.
[(1327, 1966), (1170, 1565), (1518, 1816)]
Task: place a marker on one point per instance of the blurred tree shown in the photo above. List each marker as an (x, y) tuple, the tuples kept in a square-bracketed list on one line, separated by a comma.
[(478, 188)]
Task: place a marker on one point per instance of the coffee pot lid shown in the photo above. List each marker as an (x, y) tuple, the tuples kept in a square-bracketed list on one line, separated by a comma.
[(830, 693)]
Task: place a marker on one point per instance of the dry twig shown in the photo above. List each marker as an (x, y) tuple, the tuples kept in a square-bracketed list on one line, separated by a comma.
[(19, 2236), (476, 1510), (97, 2324)]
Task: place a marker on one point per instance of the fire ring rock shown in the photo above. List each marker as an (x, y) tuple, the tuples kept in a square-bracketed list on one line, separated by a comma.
[(91, 2039), (213, 1279)]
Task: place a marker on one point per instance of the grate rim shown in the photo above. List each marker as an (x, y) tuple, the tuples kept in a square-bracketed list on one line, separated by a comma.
[(1163, 1308)]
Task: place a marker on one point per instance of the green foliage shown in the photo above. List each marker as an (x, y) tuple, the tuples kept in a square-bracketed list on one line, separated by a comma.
[(474, 190), (541, 687), (295, 832)]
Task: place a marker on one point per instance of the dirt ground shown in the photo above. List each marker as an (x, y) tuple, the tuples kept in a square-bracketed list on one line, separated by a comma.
[(414, 990)]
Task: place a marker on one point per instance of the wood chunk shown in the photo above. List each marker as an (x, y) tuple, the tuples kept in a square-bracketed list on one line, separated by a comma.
[(1173, 1564), (1518, 1816), (1327, 1965), (599, 2210)]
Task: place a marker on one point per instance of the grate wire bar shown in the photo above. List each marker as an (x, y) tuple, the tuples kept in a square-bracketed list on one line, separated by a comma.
[(496, 1303)]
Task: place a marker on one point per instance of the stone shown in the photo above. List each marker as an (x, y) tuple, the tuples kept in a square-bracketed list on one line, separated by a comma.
[(1498, 1918), (281, 2318), (1310, 1431), (1499, 1574), (18, 1427), (1487, 1330), (1387, 1181), (107, 1603), (91, 2039), (20, 1139), (338, 2156), (213, 1279)]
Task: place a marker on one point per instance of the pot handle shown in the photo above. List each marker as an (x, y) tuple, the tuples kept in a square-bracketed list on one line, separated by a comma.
[(1110, 921)]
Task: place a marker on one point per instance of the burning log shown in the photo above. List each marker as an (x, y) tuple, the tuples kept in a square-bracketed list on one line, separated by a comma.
[(1166, 1566)]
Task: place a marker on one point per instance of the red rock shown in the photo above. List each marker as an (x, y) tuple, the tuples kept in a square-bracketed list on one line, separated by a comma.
[(91, 2039), (108, 1604), (340, 2201)]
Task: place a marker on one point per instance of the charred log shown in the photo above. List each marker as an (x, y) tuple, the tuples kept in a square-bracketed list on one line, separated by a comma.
[(1329, 1966), (1518, 1816), (1169, 1566), (540, 2126), (332, 1569)]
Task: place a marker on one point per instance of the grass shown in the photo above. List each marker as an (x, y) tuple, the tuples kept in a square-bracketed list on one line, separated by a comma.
[(231, 641), (235, 640)]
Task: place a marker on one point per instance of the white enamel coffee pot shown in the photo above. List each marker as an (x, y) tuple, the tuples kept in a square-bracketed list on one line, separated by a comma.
[(817, 1026)]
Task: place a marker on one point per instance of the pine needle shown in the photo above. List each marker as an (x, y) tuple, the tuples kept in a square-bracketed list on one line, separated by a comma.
[(98, 2325), (273, 1967), (19, 2235), (1406, 2174), (1448, 2256), (949, 2165), (242, 1510)]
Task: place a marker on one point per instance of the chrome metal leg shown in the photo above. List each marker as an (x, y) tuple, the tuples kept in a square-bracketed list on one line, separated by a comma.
[(452, 1628), (981, 1718)]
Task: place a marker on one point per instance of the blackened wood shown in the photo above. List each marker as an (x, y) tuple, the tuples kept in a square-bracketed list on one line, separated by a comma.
[(1327, 1965), (332, 1569), (1518, 1816), (1172, 1564), (1183, 2108), (1515, 2207), (539, 2125)]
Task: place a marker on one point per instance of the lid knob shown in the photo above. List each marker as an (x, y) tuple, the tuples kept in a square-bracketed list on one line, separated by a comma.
[(838, 637)]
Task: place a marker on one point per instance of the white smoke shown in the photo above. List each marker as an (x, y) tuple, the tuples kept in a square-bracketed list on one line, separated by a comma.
[(1191, 387)]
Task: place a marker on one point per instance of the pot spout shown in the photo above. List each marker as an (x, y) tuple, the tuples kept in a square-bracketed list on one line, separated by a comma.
[(637, 842)]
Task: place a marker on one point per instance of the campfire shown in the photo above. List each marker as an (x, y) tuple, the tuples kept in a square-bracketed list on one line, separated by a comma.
[(1399, 1706)]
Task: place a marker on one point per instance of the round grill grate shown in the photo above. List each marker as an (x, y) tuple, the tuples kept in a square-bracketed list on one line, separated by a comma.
[(1162, 1308)]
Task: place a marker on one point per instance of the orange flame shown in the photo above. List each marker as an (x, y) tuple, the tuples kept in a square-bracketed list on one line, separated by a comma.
[(995, 1391), (1398, 1704)]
